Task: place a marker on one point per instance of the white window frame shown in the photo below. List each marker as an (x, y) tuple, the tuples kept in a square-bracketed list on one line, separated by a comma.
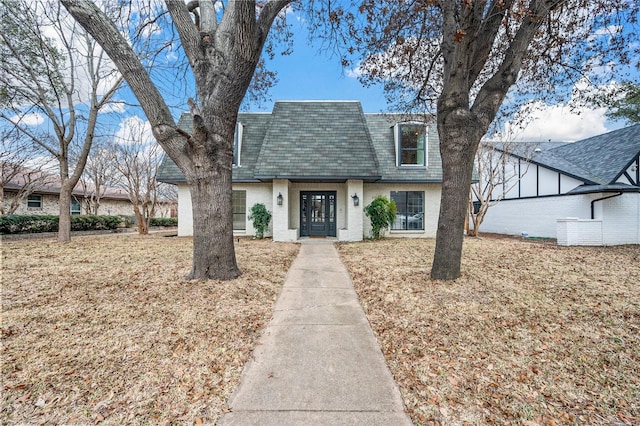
[(237, 144), (397, 134), (39, 200)]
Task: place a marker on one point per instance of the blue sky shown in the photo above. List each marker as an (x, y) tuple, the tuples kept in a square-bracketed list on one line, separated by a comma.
[(311, 74)]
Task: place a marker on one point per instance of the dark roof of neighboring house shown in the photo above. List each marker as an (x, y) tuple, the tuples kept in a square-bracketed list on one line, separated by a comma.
[(605, 156), (599, 160), (49, 184), (321, 141)]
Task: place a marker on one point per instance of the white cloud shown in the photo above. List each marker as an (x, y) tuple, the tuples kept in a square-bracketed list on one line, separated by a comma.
[(538, 121), (118, 107), (30, 119), (354, 72), (134, 130)]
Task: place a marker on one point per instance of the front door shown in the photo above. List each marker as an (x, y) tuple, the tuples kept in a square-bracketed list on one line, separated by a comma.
[(318, 214)]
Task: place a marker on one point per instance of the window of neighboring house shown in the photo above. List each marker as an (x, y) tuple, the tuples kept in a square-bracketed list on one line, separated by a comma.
[(237, 144), (410, 205), (75, 207), (239, 202), (34, 202), (411, 144)]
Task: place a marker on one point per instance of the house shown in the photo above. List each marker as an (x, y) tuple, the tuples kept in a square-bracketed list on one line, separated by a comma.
[(44, 193), (582, 193), (316, 164)]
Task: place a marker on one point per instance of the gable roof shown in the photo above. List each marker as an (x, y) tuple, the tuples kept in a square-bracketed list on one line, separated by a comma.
[(319, 141), (599, 160), (605, 156)]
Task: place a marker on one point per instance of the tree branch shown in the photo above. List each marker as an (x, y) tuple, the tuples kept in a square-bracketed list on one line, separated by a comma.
[(104, 32), (189, 36)]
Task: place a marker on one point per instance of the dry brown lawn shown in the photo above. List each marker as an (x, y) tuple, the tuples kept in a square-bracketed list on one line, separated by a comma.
[(106, 329), (531, 334)]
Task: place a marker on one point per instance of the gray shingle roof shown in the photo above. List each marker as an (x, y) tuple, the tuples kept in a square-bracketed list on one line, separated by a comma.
[(605, 156), (319, 140), (599, 160)]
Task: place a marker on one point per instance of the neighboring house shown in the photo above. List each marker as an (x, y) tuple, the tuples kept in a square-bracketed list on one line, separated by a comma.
[(582, 193), (316, 164), (45, 200)]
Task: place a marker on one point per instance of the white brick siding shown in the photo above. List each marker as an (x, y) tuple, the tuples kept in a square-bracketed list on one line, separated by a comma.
[(535, 216), (621, 219), (579, 232)]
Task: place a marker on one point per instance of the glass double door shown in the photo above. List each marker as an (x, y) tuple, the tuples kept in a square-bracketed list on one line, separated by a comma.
[(318, 214)]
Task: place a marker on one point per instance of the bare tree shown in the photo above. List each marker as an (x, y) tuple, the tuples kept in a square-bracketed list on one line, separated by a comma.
[(223, 46), (51, 68), (100, 173), (137, 159), (461, 58), (23, 170), (167, 199), (500, 166)]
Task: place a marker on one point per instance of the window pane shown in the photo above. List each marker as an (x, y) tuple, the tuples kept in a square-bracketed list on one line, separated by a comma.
[(410, 205), (409, 137), (412, 144), (34, 201), (75, 207), (239, 202)]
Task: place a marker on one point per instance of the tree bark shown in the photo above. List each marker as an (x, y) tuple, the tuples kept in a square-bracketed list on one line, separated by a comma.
[(212, 235), (64, 215), (459, 138)]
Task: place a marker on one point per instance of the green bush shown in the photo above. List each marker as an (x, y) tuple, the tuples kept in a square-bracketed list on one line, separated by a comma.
[(382, 213), (260, 217), (164, 221), (24, 224), (94, 223)]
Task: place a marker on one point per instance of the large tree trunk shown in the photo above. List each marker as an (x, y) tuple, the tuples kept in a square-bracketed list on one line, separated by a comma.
[(213, 250), (459, 139)]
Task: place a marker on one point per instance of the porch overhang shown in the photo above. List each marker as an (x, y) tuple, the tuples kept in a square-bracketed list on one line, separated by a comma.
[(323, 179)]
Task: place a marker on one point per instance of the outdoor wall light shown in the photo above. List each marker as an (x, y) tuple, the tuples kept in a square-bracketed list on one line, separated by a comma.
[(280, 199), (356, 200)]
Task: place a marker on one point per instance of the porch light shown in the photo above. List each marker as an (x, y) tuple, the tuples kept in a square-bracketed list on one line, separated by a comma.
[(356, 200), (280, 199)]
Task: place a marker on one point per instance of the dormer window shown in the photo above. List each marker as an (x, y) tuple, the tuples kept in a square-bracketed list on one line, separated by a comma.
[(237, 144), (411, 144)]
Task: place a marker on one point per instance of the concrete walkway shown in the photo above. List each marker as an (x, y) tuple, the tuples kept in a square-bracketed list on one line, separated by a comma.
[(317, 362)]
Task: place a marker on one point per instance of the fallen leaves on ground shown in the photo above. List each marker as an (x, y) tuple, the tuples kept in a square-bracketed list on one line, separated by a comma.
[(106, 329), (531, 334)]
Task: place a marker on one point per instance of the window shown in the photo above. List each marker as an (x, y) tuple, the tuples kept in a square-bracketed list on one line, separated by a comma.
[(34, 202), (410, 205), (237, 143), (75, 207), (411, 144), (239, 202)]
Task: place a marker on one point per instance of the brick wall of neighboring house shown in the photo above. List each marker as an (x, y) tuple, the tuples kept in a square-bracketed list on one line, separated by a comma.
[(50, 206), (108, 206)]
